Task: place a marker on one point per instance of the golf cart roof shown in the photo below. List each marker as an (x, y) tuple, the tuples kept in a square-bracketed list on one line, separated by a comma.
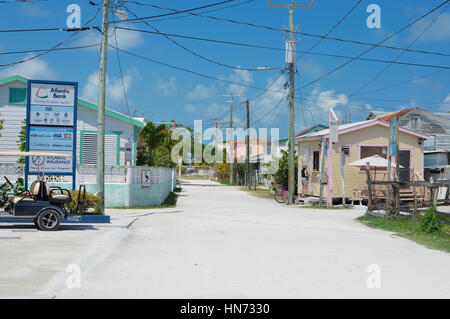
[(34, 154)]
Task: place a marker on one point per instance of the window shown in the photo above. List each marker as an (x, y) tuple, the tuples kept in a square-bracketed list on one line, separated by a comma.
[(414, 123), (367, 151), (316, 161), (17, 96), (88, 154)]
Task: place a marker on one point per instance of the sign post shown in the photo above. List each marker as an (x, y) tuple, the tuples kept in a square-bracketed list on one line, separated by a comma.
[(51, 126)]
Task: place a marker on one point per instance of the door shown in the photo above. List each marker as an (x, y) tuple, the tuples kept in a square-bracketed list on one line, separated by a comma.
[(405, 161)]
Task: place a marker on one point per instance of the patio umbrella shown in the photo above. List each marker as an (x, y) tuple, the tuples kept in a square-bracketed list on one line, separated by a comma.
[(374, 161)]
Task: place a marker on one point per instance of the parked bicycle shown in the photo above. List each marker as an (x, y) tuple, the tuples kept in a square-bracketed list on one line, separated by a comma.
[(281, 195)]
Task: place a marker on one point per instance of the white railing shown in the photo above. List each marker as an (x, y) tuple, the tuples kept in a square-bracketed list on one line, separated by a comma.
[(87, 174)]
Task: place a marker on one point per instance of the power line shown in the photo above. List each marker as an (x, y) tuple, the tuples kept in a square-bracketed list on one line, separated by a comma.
[(332, 29), (211, 10), (370, 49), (192, 72), (128, 20), (54, 47), (415, 78), (122, 80), (302, 33), (189, 50), (280, 49), (178, 11), (374, 78)]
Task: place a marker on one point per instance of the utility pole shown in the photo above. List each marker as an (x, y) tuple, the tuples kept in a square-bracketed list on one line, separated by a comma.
[(216, 146), (231, 137), (101, 109), (397, 165), (248, 144), (290, 60)]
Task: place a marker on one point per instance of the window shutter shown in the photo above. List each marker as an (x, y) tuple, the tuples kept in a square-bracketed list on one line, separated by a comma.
[(90, 149), (111, 149), (17, 95)]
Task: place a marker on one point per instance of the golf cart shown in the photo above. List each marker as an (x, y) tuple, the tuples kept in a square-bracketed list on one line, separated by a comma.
[(42, 204)]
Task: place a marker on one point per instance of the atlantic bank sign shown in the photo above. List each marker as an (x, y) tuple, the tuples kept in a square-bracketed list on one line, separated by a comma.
[(52, 94)]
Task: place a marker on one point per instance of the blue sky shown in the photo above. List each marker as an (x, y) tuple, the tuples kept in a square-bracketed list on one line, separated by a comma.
[(160, 93)]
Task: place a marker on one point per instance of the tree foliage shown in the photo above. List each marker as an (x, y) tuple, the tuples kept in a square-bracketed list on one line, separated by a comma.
[(281, 177)]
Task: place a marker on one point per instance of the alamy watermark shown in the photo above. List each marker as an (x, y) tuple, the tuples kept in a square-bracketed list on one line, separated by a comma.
[(374, 278), (214, 151), (73, 279), (374, 19)]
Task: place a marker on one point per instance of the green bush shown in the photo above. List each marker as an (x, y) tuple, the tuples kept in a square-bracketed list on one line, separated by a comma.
[(7, 191), (430, 221), (92, 203)]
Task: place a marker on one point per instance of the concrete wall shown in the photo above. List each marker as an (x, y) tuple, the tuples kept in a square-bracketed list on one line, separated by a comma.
[(377, 135), (134, 195)]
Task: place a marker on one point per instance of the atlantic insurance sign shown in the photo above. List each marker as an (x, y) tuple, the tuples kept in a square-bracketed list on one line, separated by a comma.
[(51, 126)]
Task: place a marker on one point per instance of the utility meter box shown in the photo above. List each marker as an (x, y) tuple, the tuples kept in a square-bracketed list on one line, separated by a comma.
[(291, 47)]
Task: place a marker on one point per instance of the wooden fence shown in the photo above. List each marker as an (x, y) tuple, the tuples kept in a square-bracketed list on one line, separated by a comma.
[(422, 194)]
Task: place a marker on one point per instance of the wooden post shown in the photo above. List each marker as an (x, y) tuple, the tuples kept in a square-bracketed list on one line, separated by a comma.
[(322, 170), (342, 160), (397, 164), (389, 170), (369, 187), (414, 190)]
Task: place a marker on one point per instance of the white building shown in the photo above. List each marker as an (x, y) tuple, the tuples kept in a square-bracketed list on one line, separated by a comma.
[(121, 130)]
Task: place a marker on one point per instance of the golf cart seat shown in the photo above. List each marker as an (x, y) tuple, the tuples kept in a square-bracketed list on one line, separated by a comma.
[(59, 195), (27, 196), (17, 199)]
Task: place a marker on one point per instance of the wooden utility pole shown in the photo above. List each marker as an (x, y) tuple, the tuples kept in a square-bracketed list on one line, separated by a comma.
[(216, 147), (248, 145), (101, 109), (231, 141), (290, 61), (397, 165)]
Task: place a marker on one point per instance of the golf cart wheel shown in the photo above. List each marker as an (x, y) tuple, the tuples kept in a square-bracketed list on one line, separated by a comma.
[(48, 220)]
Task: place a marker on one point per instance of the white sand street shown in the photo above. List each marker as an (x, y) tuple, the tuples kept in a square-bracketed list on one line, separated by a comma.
[(221, 242)]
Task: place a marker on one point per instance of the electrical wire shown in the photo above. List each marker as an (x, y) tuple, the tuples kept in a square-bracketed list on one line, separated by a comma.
[(332, 29), (52, 48), (249, 24), (186, 16), (280, 49), (376, 76), (370, 49), (192, 72), (189, 50)]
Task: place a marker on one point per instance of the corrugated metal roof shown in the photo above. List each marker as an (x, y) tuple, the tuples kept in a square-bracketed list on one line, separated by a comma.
[(341, 127), (392, 115)]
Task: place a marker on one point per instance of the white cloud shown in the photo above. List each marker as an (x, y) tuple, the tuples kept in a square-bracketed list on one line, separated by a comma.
[(271, 101), (318, 103), (167, 88), (126, 39), (33, 69), (445, 105), (438, 31), (202, 92), (114, 88), (239, 76)]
